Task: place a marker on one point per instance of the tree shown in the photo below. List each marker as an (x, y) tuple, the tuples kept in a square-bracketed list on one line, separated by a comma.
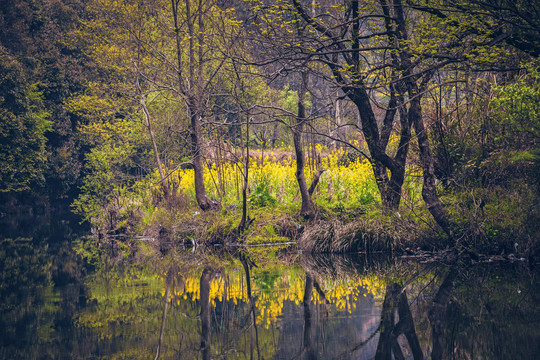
[(307, 209), (357, 69), (34, 34), (172, 49), (382, 56), (24, 123), (514, 22), (195, 16), (336, 46)]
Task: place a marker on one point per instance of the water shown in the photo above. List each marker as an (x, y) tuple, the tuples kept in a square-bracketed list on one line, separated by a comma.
[(66, 298)]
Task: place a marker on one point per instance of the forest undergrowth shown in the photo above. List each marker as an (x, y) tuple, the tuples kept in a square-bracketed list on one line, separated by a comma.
[(497, 218)]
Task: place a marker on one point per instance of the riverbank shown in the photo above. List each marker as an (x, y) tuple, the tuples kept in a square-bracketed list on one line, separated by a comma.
[(486, 231), (495, 213)]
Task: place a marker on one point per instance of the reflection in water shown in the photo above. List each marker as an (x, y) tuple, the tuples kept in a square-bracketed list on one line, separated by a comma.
[(437, 313), (25, 284), (165, 308), (308, 348), (209, 306), (390, 330), (204, 302), (247, 264)]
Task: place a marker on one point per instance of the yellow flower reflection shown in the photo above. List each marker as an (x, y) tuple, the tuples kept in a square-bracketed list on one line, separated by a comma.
[(343, 294)]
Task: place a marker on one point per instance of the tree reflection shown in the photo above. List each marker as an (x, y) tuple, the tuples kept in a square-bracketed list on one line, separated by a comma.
[(206, 279), (236, 320), (247, 264), (25, 285), (227, 307), (396, 299), (307, 303), (437, 312), (308, 292), (169, 282)]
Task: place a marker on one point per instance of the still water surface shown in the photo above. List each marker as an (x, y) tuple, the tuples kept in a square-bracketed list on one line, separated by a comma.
[(63, 297)]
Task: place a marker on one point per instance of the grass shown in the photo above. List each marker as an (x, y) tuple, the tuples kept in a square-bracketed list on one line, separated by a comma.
[(371, 232), (503, 218)]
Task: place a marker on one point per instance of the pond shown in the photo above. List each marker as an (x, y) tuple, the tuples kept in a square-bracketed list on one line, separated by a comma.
[(66, 296)]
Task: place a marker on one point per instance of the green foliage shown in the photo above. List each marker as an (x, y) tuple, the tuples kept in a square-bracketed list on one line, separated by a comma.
[(517, 108), (24, 123), (33, 34), (106, 197), (496, 138), (350, 156), (289, 99), (495, 218), (89, 252), (123, 305), (260, 196)]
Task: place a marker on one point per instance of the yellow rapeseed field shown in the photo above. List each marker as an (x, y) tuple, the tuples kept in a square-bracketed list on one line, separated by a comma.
[(345, 181)]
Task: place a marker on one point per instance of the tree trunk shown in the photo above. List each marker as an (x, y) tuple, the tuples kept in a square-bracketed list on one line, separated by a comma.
[(389, 187), (274, 135), (244, 221), (192, 90), (247, 263), (164, 317), (357, 91), (339, 134), (429, 189), (150, 129), (386, 338), (307, 210), (205, 203), (406, 326), (307, 347), (396, 297), (395, 184)]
